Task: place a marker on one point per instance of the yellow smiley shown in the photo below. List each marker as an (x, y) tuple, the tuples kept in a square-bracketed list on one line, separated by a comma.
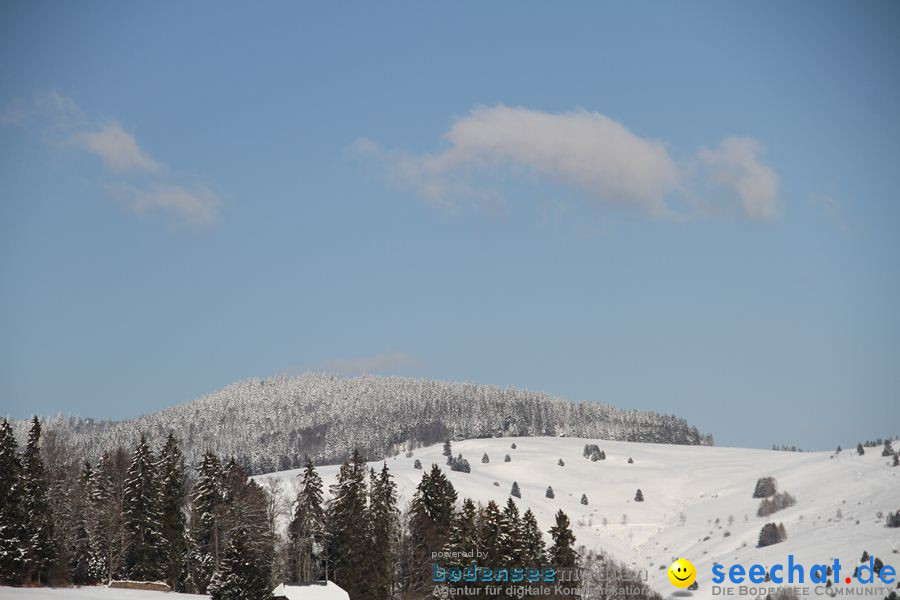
[(682, 573)]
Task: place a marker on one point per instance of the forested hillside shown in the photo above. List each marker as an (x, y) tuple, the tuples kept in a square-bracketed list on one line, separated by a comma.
[(273, 424)]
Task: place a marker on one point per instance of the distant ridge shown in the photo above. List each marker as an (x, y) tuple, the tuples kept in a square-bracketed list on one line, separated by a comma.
[(272, 424)]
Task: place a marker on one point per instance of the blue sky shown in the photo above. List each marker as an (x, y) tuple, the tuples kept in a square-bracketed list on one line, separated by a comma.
[(684, 207)]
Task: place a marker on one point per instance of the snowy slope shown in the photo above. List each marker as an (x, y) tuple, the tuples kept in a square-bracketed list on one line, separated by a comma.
[(89, 593), (704, 483)]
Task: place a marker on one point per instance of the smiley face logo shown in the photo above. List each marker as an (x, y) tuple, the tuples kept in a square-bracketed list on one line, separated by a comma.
[(682, 573)]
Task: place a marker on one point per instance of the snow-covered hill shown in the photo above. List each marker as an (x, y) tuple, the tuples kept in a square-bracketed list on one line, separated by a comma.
[(711, 487), (275, 423)]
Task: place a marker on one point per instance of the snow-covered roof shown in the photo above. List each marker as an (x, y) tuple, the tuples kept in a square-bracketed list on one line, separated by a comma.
[(317, 590)]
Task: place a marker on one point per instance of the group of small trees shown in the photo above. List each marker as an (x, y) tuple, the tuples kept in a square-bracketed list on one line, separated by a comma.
[(771, 534), (765, 487), (893, 520), (459, 464), (593, 452), (778, 501)]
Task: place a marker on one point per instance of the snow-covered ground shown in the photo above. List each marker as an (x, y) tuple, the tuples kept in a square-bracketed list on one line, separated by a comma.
[(705, 484), (89, 593)]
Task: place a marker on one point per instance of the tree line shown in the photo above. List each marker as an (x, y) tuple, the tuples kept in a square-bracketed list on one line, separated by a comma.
[(144, 515)]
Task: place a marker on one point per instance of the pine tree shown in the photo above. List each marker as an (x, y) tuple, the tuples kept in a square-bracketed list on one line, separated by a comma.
[(307, 527), (348, 528), (208, 504), (507, 458), (561, 463), (145, 554), (639, 496), (485, 459), (533, 549), (490, 527), (549, 493), (384, 524), (82, 556), (464, 533), (515, 490), (240, 577), (888, 450), (431, 517), (171, 498), (245, 505), (108, 526), (584, 499), (12, 535), (562, 553), (448, 449), (860, 450), (417, 464), (41, 553), (511, 533)]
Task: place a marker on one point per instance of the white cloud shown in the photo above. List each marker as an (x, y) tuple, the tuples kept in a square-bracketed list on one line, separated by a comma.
[(735, 165), (144, 185), (365, 145), (195, 206), (382, 363), (585, 151), (118, 149)]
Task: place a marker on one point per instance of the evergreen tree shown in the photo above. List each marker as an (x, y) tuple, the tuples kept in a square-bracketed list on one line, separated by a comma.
[(348, 529), (106, 500), (584, 499), (490, 527), (464, 533), (171, 508), (515, 490), (887, 450), (549, 493), (417, 464), (562, 553), (430, 520), (561, 463), (206, 520), (145, 554), (245, 505), (82, 556), (859, 449), (240, 577), (13, 545), (639, 496), (532, 544), (448, 449), (384, 525), (40, 550), (485, 459), (511, 533), (507, 458), (307, 527)]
